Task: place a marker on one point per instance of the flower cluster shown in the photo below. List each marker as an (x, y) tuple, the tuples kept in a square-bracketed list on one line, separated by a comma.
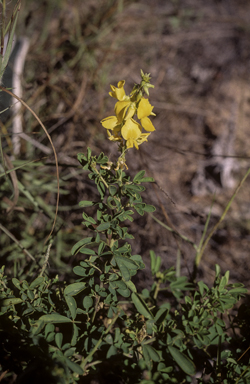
[(123, 127)]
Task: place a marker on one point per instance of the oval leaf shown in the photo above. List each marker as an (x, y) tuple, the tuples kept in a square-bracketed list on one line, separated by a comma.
[(11, 301), (54, 318), (152, 353), (182, 360), (103, 227), (149, 208), (76, 248), (86, 203), (73, 366), (87, 302), (139, 176), (59, 339), (36, 282), (74, 289), (16, 283), (141, 306), (72, 305)]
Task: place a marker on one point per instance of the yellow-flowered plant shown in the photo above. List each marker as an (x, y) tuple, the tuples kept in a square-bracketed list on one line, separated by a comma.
[(123, 127)]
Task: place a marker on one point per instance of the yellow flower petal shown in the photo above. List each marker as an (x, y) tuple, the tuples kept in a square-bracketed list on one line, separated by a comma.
[(109, 122), (147, 124), (131, 111), (131, 142), (121, 109), (142, 138), (131, 130), (144, 108), (118, 93)]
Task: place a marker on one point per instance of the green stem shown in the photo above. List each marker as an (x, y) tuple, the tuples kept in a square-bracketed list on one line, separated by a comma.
[(96, 170)]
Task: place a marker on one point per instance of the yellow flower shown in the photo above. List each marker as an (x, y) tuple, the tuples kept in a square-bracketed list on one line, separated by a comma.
[(144, 110), (142, 138), (116, 135), (118, 93), (131, 131), (110, 122), (125, 110)]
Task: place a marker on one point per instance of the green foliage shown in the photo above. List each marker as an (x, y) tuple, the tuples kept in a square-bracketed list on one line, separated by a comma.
[(98, 322)]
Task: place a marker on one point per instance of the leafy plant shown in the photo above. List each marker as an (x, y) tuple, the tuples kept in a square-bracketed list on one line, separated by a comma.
[(98, 325)]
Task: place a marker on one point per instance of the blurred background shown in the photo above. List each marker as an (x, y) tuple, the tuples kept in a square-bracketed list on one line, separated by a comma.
[(198, 54)]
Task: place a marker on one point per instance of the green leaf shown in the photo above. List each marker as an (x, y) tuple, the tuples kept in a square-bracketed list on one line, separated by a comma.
[(88, 153), (37, 327), (101, 247), (36, 282), (49, 328), (54, 318), (86, 203), (72, 305), (125, 265), (161, 315), (11, 301), (152, 261), (112, 190), (203, 287), (147, 180), (74, 289), (222, 284), (87, 251), (112, 351), (69, 352), (149, 208), (131, 286), (182, 360), (59, 339), (138, 177), (87, 302), (73, 366), (152, 353), (157, 264), (88, 218), (103, 227), (120, 284), (141, 306), (139, 209), (16, 283), (79, 271), (181, 283), (239, 291), (124, 292), (75, 335), (76, 248)]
